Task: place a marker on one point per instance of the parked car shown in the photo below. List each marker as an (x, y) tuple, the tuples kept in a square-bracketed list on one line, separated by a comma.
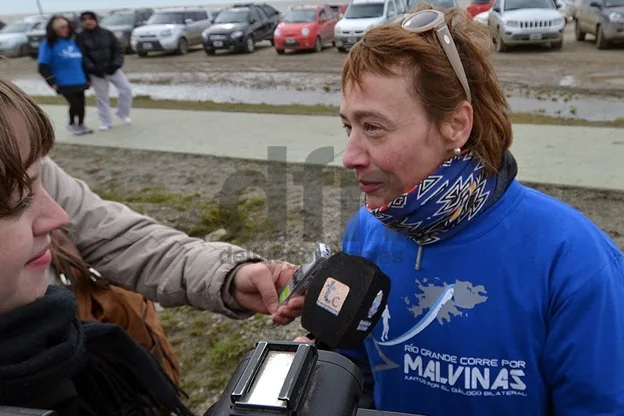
[(362, 15), (602, 18), (38, 32), (240, 27), (526, 22), (339, 9), (305, 27), (170, 30), (2, 24), (14, 38), (479, 6), (122, 22)]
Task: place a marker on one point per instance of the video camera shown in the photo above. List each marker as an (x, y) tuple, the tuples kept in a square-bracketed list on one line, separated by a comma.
[(293, 379)]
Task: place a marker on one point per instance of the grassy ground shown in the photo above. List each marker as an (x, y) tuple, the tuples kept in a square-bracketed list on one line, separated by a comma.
[(147, 102)]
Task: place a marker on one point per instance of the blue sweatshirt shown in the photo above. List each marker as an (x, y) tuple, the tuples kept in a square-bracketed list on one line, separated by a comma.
[(65, 62), (519, 314)]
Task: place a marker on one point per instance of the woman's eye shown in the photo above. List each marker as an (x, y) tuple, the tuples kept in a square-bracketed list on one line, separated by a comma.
[(371, 128), (23, 205)]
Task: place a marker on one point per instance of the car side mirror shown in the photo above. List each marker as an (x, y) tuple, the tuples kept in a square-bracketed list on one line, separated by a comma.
[(496, 9), (391, 13), (252, 20), (188, 21), (595, 4)]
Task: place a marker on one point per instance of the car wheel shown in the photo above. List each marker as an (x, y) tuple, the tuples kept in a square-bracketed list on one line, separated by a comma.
[(501, 46), (580, 36), (250, 44), (318, 45), (182, 47), (342, 50), (280, 51), (272, 42), (142, 54), (210, 51), (557, 45), (601, 42)]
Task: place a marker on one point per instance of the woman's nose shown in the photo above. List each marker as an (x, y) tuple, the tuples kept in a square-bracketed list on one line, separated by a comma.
[(355, 155), (50, 217)]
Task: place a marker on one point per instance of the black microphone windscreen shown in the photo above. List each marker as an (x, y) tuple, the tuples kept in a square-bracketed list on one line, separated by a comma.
[(345, 300)]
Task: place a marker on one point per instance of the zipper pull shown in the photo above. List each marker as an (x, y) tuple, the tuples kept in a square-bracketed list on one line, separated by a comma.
[(418, 264)]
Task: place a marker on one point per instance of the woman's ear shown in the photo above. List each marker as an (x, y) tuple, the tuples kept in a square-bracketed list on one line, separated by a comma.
[(457, 127)]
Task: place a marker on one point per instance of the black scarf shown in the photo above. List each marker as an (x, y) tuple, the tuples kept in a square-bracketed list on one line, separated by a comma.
[(51, 360)]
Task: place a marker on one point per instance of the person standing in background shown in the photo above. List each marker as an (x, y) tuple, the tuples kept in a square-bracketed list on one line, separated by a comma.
[(61, 65), (103, 59)]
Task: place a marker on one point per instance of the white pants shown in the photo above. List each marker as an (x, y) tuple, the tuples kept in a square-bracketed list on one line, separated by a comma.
[(100, 86)]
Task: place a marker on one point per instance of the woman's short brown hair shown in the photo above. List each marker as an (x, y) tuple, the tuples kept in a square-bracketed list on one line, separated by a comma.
[(388, 50), (13, 174)]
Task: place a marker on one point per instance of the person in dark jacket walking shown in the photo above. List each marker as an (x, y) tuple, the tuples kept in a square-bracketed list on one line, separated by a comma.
[(61, 65), (103, 59)]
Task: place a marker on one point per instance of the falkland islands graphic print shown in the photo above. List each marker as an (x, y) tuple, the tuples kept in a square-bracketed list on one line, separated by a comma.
[(471, 375)]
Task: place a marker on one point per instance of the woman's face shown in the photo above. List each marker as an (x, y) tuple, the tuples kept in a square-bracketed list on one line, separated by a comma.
[(392, 145), (25, 243), (61, 27)]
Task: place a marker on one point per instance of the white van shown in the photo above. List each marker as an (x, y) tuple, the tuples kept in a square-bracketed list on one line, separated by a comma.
[(362, 15)]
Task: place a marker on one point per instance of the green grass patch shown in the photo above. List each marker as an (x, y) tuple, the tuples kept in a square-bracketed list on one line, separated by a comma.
[(316, 110)]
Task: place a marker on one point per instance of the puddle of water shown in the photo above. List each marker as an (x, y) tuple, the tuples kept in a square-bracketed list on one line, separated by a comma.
[(603, 80), (587, 108)]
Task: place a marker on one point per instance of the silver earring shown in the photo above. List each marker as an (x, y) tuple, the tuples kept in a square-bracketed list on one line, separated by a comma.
[(457, 151)]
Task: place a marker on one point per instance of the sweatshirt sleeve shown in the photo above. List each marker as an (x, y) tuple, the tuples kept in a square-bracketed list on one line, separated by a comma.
[(135, 252), (359, 356), (44, 62), (583, 357)]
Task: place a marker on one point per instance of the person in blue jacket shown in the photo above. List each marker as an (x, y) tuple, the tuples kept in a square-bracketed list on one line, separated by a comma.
[(504, 301), (61, 65)]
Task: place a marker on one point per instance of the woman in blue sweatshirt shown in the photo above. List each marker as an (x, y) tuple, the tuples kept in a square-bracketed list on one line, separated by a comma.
[(504, 301), (61, 65)]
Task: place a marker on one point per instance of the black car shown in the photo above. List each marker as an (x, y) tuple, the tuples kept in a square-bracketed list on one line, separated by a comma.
[(122, 22), (240, 27)]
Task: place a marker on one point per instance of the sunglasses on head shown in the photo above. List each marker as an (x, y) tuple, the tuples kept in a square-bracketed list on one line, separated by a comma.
[(425, 20)]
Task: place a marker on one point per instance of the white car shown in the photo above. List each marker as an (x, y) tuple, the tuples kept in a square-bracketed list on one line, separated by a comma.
[(170, 30), (362, 15), (526, 22)]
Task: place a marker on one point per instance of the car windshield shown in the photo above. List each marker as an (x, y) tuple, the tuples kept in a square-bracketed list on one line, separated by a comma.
[(172, 18), (300, 16), (528, 4), (614, 3), (363, 11), (19, 27), (233, 16), (121, 19)]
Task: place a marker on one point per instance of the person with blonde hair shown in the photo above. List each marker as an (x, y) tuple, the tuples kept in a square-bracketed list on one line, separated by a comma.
[(504, 301)]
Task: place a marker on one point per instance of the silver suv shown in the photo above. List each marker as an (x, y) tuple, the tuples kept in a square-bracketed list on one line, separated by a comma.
[(602, 18), (171, 30)]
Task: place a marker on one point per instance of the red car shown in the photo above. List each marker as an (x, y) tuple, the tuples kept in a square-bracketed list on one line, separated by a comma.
[(305, 27), (479, 6)]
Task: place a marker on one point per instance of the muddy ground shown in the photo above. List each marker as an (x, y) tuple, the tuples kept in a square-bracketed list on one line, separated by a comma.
[(579, 66), (183, 191)]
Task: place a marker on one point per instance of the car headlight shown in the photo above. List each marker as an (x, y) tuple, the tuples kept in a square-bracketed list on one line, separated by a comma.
[(511, 23), (558, 21), (277, 32), (166, 32), (237, 34), (305, 31), (616, 17)]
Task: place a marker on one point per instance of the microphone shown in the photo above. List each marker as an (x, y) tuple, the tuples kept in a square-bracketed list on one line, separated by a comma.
[(344, 301)]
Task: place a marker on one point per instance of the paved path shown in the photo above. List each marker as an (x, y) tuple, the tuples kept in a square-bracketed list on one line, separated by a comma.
[(580, 156)]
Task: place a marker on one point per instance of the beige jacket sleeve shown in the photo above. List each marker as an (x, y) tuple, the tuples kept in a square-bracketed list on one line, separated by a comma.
[(135, 252)]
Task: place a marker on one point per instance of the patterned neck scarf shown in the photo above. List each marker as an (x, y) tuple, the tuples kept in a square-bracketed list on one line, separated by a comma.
[(443, 203)]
